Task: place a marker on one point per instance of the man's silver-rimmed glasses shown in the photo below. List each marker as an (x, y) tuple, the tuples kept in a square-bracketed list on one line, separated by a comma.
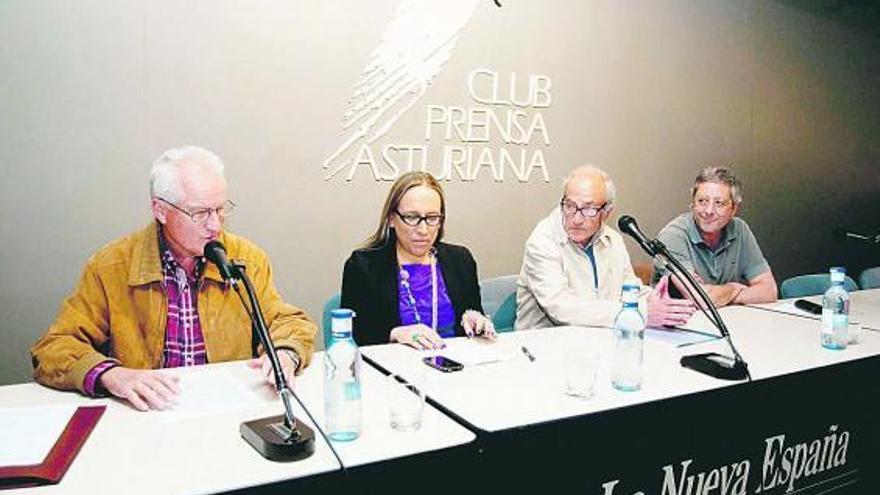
[(203, 214)]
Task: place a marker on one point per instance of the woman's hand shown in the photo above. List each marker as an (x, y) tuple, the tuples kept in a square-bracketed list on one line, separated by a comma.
[(419, 336), (476, 324)]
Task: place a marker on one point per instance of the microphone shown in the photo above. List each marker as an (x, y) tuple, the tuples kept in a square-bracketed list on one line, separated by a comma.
[(215, 252), (277, 438), (711, 363), (628, 225)]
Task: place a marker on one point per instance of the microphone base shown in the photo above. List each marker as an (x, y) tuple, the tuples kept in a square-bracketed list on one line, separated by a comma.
[(717, 366), (274, 441)]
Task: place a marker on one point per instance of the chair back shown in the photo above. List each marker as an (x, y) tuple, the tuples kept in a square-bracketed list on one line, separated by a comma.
[(504, 317), (645, 272), (812, 285), (495, 292), (870, 278)]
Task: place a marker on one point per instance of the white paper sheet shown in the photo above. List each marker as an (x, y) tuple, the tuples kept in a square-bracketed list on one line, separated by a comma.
[(865, 316), (208, 392), (27, 434), (473, 353), (790, 308), (679, 337)]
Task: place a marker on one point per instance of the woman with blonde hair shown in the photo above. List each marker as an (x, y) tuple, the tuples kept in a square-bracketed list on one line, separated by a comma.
[(407, 286)]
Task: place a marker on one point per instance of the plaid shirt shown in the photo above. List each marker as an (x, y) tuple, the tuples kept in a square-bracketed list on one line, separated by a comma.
[(184, 340)]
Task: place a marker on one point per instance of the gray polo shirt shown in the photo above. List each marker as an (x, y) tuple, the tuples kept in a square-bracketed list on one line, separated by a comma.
[(737, 258)]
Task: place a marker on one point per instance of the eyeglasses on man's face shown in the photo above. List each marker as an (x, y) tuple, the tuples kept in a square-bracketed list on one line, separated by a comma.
[(414, 219), (570, 208), (203, 214), (703, 203)]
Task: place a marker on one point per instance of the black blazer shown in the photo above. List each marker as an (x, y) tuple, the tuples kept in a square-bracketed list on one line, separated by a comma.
[(369, 287)]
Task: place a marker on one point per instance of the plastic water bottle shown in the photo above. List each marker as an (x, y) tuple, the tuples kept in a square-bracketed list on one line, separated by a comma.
[(342, 385), (629, 335), (835, 312)]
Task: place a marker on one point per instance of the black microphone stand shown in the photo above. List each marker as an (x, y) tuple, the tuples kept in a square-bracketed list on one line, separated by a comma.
[(711, 363), (277, 438)]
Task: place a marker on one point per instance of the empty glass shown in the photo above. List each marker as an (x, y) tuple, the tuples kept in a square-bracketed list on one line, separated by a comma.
[(854, 332), (579, 369), (406, 401)]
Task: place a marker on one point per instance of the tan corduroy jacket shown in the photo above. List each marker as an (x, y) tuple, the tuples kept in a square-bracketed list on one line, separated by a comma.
[(119, 311)]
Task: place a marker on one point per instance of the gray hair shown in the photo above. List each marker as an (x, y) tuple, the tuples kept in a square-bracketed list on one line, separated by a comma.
[(719, 175), (590, 170), (165, 173)]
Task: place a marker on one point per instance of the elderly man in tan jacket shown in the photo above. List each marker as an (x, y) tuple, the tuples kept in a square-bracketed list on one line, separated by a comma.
[(574, 265), (149, 300)]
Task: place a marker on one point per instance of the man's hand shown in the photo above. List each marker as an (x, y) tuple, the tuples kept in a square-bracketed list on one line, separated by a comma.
[(664, 311), (761, 289), (724, 295), (721, 295), (288, 360), (144, 389)]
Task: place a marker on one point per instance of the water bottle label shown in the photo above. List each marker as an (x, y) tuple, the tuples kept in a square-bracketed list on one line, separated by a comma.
[(352, 390), (831, 321), (827, 322)]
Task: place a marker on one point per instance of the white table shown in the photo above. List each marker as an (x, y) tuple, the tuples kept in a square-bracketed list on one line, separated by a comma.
[(517, 392), (529, 428), (864, 305), (774, 343), (378, 441), (135, 452)]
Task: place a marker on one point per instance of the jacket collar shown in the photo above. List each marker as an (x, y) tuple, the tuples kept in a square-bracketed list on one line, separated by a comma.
[(390, 250), (146, 263)]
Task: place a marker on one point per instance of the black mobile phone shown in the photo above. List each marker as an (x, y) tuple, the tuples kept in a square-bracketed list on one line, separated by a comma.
[(808, 306), (443, 363)]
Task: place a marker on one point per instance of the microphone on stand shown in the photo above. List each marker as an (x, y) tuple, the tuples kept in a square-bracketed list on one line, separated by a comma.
[(215, 252), (628, 225), (711, 363), (277, 438)]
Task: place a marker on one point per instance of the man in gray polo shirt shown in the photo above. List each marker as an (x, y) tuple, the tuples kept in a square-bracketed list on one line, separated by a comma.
[(718, 247)]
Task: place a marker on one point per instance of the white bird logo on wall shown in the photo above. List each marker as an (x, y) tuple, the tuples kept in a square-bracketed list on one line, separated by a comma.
[(416, 44)]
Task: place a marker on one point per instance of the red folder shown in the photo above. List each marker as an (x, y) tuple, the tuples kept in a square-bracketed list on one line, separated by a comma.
[(53, 467)]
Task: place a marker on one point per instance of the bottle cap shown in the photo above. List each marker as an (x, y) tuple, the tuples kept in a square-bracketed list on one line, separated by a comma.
[(341, 313), (630, 293)]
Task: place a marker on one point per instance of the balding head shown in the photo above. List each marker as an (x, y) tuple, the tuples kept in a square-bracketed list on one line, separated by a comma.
[(587, 199), (591, 173)]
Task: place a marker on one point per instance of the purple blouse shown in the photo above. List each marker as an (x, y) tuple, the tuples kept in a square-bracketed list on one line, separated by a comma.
[(420, 285)]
